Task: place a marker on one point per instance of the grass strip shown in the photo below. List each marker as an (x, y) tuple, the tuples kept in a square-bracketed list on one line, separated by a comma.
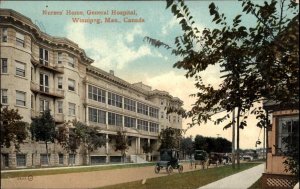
[(256, 185), (68, 170), (187, 180)]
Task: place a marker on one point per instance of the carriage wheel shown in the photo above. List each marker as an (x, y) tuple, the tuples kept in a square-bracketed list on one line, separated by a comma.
[(180, 169), (156, 169), (170, 169)]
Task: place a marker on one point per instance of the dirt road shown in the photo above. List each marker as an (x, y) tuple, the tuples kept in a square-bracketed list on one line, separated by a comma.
[(86, 179)]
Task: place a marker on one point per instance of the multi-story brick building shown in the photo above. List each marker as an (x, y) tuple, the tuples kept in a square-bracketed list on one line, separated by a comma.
[(40, 72)]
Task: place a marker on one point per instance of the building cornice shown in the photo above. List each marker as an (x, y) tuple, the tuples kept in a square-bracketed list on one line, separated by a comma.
[(15, 18)]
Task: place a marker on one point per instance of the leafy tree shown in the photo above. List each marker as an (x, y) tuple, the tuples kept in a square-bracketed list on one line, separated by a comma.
[(210, 144), (292, 152), (170, 138), (187, 146), (43, 129), (200, 143), (147, 148), (257, 62), (13, 129), (121, 143), (89, 136), (68, 139)]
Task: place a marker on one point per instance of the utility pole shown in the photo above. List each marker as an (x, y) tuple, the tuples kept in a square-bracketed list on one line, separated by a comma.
[(233, 139)]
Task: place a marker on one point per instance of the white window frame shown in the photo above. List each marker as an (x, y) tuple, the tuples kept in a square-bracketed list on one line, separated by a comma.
[(19, 99), (44, 82), (44, 56), (44, 105), (4, 96), (71, 61), (20, 69), (71, 85), (4, 35), (4, 65), (20, 39), (72, 109), (60, 82), (59, 58), (60, 107)]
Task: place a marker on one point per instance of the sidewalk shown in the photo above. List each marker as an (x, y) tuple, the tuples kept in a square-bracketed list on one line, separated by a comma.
[(241, 180)]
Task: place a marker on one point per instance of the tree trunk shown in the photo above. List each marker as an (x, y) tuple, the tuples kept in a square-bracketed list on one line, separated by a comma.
[(233, 139), (238, 137), (47, 152)]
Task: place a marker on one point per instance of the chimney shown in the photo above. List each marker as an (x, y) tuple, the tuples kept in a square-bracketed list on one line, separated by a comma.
[(111, 72)]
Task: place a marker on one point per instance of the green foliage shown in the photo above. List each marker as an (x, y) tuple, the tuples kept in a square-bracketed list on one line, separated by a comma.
[(187, 146), (292, 153), (121, 142), (13, 129), (170, 138), (68, 139), (210, 144), (43, 127), (90, 136), (257, 62), (147, 148)]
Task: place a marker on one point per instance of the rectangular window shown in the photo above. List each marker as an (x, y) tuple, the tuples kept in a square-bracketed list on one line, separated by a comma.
[(96, 94), (4, 96), (97, 116), (21, 160), (3, 65), (20, 69), (44, 83), (129, 104), (4, 34), (71, 62), (286, 126), (59, 58), (72, 109), (129, 122), (60, 107), (59, 82), (142, 125), (153, 127), (162, 114), (20, 39), (44, 58), (115, 100), (71, 85), (60, 159), (115, 119), (153, 112), (44, 159), (20, 98), (72, 159), (142, 108), (44, 105)]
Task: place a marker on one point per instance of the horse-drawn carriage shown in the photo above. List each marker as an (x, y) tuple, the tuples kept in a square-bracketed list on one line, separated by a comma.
[(169, 159), (201, 158)]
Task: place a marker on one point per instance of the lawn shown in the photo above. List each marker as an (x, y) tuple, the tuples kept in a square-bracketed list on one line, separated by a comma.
[(256, 185), (39, 172), (188, 180)]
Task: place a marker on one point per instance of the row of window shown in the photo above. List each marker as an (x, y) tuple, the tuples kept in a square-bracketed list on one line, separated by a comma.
[(20, 38), (44, 160), (44, 103), (44, 78), (97, 94), (43, 53), (99, 116)]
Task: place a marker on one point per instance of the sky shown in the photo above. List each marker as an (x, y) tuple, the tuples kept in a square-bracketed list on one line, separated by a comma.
[(120, 46)]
